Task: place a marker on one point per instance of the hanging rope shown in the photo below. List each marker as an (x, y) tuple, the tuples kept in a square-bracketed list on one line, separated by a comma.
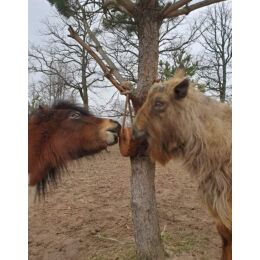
[(127, 105), (127, 146)]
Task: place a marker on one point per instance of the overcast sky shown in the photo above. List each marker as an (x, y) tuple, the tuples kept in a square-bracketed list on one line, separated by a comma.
[(38, 11)]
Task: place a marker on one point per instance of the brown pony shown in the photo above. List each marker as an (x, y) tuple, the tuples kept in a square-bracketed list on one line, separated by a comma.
[(178, 121), (60, 134)]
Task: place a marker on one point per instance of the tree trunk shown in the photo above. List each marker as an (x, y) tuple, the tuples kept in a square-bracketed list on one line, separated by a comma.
[(224, 82), (85, 97), (84, 80), (144, 211), (143, 202)]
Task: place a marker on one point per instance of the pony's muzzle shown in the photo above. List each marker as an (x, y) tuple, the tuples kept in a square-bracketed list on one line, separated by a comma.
[(113, 132)]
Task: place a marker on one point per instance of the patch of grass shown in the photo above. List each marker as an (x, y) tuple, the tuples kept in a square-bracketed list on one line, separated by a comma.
[(187, 243), (166, 237), (131, 254)]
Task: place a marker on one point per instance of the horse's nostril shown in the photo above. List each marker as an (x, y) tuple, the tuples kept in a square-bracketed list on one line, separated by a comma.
[(118, 126), (115, 127)]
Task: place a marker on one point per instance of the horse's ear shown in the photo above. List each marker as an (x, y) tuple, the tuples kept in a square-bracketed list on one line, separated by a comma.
[(181, 90)]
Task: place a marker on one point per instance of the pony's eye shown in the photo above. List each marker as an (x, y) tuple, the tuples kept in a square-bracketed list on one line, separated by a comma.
[(159, 106), (75, 115)]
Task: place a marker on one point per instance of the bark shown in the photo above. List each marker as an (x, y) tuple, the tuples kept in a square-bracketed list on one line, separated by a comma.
[(143, 201), (148, 34), (144, 211)]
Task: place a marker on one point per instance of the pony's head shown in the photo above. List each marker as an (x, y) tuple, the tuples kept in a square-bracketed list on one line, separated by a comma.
[(63, 133), (164, 117)]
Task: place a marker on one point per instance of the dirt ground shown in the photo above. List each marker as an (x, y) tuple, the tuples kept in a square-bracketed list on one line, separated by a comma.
[(88, 215)]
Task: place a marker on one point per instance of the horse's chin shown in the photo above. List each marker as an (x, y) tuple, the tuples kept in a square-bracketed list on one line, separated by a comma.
[(111, 138)]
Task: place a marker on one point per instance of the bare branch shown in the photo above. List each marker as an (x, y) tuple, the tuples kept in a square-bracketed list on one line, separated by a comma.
[(99, 47), (189, 8), (107, 71)]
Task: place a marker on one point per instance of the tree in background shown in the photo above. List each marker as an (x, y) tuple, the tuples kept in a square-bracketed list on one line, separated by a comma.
[(82, 73), (51, 88), (148, 16), (216, 41), (180, 58), (123, 45)]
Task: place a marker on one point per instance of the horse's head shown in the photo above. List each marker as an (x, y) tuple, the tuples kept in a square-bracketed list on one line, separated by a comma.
[(160, 120), (80, 133), (65, 132)]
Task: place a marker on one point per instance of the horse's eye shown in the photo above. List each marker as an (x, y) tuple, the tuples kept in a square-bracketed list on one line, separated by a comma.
[(75, 115), (159, 106)]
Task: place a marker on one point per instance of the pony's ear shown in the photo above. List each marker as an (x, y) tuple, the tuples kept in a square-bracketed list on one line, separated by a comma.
[(181, 90)]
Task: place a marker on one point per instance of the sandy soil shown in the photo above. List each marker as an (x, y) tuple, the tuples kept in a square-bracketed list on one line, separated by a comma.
[(88, 215)]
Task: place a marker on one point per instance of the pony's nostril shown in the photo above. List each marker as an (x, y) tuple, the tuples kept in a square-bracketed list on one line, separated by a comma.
[(116, 127)]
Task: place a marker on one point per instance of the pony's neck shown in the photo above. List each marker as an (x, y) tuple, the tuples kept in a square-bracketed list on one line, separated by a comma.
[(201, 151), (195, 154)]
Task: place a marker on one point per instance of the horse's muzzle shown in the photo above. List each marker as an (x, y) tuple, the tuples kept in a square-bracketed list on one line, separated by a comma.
[(113, 132)]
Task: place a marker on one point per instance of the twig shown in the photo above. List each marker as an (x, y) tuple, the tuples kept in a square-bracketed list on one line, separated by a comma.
[(113, 239)]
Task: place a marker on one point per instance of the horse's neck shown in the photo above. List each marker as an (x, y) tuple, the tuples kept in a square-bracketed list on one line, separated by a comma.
[(210, 144)]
